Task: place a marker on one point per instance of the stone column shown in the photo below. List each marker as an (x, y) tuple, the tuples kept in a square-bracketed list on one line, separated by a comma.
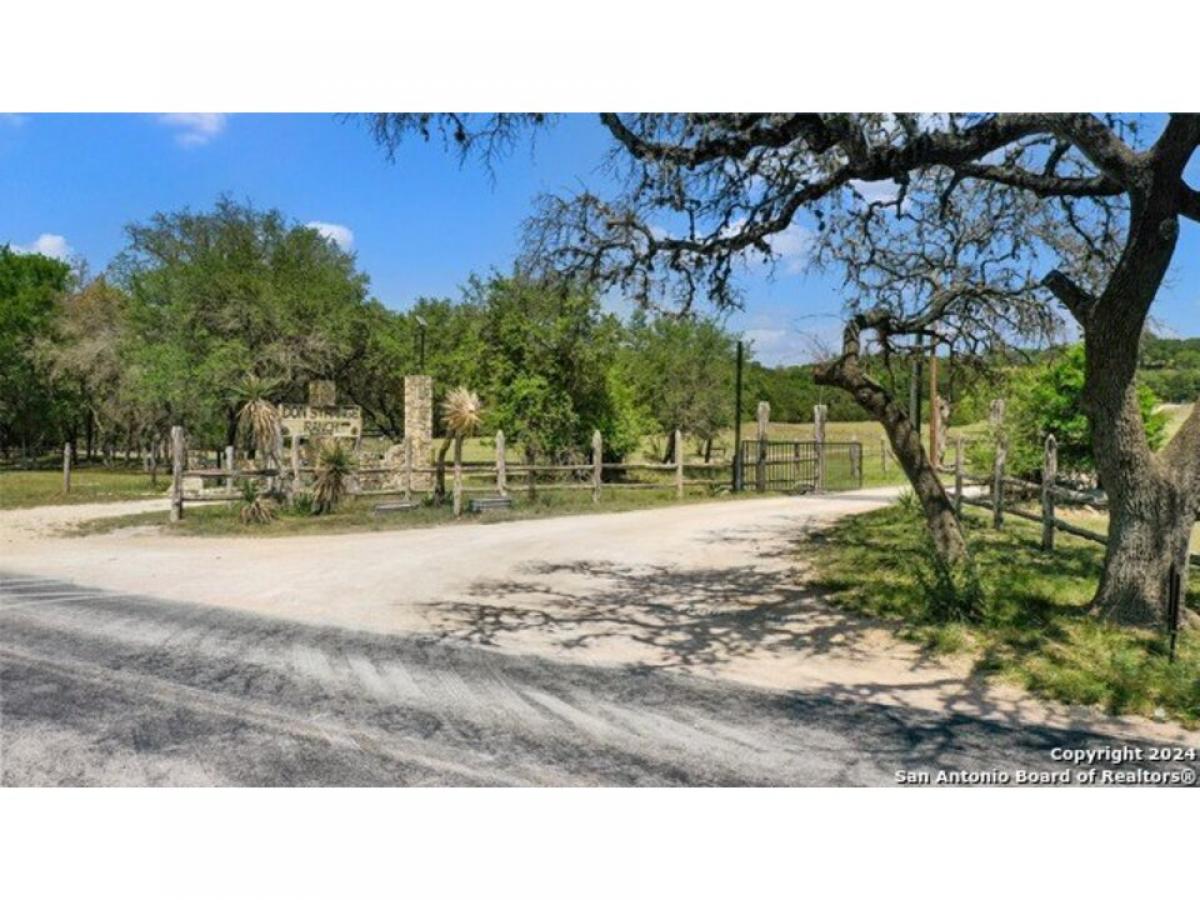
[(418, 426)]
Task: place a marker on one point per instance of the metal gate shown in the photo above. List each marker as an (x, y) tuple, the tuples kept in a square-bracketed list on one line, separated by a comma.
[(800, 466)]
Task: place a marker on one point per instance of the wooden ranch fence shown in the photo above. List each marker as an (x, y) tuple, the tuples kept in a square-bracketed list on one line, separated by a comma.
[(479, 478), (1001, 486)]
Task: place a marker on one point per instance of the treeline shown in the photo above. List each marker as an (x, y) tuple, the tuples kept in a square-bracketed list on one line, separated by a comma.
[(204, 310), (1171, 367)]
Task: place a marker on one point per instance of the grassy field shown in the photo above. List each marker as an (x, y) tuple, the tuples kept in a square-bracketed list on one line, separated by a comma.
[(1177, 414), (221, 519), (89, 484), (1036, 630), (1098, 521)]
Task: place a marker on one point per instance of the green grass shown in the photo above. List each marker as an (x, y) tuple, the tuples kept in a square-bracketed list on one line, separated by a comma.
[(1036, 629), (483, 449), (89, 484), (356, 515)]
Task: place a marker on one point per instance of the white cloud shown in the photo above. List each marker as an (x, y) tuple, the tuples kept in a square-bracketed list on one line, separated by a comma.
[(876, 191), (794, 247), (194, 129), (331, 231), (780, 346), (52, 245)]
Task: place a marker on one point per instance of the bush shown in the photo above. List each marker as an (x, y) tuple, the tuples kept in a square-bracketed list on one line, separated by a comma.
[(257, 509), (335, 465)]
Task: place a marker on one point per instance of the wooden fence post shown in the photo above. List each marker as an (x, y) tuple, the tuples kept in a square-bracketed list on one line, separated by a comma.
[(177, 467), (67, 468), (274, 482), (958, 476), (408, 466), (883, 455), (819, 413), (297, 483), (1049, 475), (458, 476), (760, 472), (598, 462), (501, 466), (998, 485), (229, 468), (678, 464)]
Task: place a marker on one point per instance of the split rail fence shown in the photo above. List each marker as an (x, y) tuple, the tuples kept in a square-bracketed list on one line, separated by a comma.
[(820, 463), (1003, 490)]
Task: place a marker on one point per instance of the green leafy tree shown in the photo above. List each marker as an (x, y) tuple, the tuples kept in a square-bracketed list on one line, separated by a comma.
[(30, 285), (548, 349), (1045, 398), (217, 294), (683, 370)]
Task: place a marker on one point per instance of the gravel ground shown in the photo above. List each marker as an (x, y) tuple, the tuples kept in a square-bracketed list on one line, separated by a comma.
[(104, 688)]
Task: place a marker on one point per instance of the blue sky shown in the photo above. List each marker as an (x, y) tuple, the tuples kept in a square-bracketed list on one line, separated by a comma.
[(70, 183)]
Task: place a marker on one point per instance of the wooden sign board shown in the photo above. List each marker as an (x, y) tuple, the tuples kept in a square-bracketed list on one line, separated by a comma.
[(314, 422)]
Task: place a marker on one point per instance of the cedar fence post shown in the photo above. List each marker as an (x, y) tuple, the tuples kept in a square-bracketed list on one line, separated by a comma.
[(598, 462), (67, 468), (958, 476), (998, 485), (678, 464), (819, 413), (1049, 475), (760, 471), (458, 477), (229, 468), (177, 467), (297, 484), (501, 466)]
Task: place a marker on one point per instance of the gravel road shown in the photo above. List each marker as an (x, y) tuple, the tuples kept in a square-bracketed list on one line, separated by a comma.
[(103, 688)]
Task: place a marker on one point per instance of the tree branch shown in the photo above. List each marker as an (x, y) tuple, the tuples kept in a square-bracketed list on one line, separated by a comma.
[(1078, 301)]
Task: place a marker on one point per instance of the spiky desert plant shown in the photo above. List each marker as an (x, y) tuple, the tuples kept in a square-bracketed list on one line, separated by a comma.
[(258, 415), (462, 414), (257, 509), (335, 465)]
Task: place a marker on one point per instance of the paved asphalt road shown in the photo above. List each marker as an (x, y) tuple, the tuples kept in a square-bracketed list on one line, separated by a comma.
[(103, 688)]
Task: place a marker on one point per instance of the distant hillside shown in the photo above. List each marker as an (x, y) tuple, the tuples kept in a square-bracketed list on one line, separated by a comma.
[(1169, 366)]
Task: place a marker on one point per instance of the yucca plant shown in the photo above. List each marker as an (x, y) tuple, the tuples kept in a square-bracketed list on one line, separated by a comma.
[(257, 509), (335, 466), (258, 415), (462, 414)]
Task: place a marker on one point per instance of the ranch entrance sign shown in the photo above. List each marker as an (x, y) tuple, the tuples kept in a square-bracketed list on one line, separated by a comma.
[(301, 420), (321, 417)]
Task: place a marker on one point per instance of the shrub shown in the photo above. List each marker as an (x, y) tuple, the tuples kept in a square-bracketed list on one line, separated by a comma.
[(256, 508), (335, 465)]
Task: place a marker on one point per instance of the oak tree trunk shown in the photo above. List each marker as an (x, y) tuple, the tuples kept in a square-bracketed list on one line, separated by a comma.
[(945, 530)]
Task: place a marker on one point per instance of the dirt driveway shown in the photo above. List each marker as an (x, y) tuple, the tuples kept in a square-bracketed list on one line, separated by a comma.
[(714, 590)]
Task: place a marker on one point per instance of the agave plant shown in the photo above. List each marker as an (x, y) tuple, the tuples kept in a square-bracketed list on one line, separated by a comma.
[(462, 414), (335, 465), (257, 509), (258, 415)]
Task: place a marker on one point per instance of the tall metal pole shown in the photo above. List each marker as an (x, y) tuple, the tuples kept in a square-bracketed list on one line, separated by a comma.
[(935, 413), (737, 423), (914, 394)]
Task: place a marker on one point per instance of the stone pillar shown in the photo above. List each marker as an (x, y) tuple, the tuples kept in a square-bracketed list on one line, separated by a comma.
[(418, 426)]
